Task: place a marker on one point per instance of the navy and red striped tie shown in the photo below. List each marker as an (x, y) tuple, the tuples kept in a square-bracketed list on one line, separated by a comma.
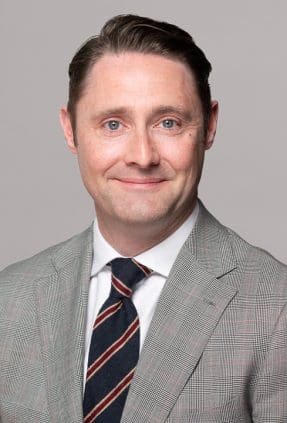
[(114, 348)]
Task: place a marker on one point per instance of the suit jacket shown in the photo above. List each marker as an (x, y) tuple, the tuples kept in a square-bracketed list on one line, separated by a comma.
[(216, 350)]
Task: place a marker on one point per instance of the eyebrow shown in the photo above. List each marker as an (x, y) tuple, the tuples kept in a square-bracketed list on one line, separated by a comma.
[(165, 110), (157, 111), (109, 112)]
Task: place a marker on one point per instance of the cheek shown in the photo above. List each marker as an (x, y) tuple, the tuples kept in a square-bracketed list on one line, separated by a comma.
[(90, 165), (184, 157), (96, 158)]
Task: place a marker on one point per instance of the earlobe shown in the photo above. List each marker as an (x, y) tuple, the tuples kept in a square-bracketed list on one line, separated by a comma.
[(65, 120), (212, 125)]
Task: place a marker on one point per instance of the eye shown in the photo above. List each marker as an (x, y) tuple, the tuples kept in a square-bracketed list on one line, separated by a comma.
[(168, 123), (113, 125)]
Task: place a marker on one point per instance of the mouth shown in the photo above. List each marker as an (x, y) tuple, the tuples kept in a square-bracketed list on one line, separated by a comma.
[(141, 183)]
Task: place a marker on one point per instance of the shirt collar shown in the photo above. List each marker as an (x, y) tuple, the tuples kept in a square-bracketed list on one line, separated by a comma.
[(159, 258)]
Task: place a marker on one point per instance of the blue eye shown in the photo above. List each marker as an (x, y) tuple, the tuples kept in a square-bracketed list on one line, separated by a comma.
[(113, 125), (168, 123)]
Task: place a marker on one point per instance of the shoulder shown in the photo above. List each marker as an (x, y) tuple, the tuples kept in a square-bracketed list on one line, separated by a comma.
[(47, 261), (219, 247), (253, 260)]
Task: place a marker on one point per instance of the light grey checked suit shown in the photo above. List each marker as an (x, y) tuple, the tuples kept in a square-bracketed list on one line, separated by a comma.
[(216, 350)]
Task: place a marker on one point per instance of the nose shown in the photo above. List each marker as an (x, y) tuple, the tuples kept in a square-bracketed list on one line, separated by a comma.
[(142, 150)]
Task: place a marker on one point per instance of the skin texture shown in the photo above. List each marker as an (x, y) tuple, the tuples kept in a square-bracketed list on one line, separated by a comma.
[(140, 144)]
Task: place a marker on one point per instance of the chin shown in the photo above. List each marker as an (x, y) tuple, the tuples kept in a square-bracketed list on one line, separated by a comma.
[(142, 217), (141, 220)]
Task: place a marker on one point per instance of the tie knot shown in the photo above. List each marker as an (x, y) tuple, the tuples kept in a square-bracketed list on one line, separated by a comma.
[(126, 272)]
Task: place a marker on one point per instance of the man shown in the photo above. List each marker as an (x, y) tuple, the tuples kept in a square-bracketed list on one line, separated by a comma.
[(209, 310)]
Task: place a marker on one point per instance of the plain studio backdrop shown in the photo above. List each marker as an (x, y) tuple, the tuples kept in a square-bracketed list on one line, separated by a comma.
[(244, 181)]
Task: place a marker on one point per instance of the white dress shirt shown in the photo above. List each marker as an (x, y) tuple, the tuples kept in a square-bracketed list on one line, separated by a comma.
[(159, 258)]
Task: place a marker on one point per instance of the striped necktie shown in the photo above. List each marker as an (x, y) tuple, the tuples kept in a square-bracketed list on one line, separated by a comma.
[(114, 348)]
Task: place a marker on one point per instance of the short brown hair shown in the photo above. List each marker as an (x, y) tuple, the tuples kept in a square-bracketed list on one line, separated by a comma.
[(144, 35)]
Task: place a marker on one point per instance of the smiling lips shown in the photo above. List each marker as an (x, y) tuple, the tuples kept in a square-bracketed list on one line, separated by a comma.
[(141, 182)]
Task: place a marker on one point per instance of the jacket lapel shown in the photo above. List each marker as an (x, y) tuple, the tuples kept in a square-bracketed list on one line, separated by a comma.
[(62, 301), (192, 301)]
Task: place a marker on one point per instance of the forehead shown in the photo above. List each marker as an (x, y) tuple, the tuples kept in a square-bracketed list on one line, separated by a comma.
[(139, 59), (138, 79), (141, 66)]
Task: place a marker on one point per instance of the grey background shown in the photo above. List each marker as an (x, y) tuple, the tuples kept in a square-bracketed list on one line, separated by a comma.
[(42, 198)]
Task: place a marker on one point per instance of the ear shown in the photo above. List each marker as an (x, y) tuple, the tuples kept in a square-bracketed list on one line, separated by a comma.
[(212, 125), (67, 127)]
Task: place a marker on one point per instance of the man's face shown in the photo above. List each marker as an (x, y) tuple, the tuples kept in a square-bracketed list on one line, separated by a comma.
[(140, 139)]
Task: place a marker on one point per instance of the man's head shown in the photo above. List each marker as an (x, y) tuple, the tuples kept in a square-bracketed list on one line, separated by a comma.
[(130, 33), (140, 121)]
